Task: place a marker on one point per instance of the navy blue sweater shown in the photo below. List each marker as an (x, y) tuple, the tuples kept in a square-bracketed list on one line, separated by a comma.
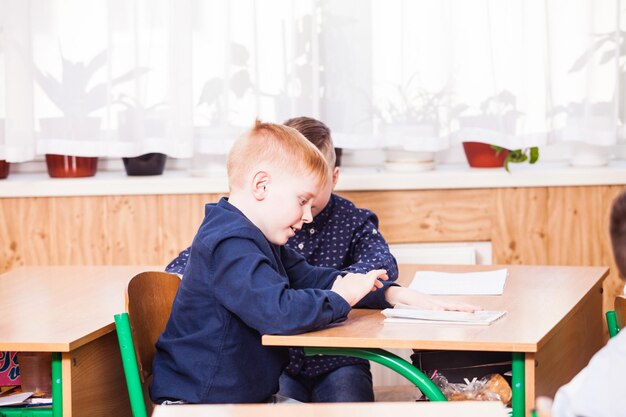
[(341, 236), (236, 287)]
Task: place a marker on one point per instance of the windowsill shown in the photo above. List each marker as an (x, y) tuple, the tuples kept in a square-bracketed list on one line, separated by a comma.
[(444, 176)]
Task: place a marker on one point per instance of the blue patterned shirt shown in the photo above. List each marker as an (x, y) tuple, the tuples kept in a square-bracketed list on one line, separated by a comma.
[(344, 237)]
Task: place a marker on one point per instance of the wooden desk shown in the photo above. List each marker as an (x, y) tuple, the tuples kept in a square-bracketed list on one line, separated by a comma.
[(554, 321), (70, 310), (404, 409)]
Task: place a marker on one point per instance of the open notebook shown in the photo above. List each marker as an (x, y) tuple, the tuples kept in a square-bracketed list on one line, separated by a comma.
[(404, 314)]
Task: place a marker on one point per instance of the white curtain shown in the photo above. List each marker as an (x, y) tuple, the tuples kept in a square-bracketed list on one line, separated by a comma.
[(185, 77)]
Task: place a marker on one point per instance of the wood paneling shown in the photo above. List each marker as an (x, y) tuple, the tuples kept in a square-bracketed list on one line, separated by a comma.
[(78, 230), (542, 225), (181, 216), (578, 227), (24, 232), (135, 230), (519, 234), (430, 216)]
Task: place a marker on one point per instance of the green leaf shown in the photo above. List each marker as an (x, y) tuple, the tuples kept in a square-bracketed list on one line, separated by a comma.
[(498, 149), (534, 154)]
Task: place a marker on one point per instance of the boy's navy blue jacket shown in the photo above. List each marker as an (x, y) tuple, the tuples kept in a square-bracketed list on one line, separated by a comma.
[(236, 287)]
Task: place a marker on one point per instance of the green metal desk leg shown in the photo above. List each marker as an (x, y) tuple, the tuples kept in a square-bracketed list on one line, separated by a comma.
[(518, 381), (611, 322), (57, 386), (391, 361)]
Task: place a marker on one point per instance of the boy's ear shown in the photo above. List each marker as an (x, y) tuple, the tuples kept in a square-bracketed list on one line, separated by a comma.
[(335, 177), (260, 183)]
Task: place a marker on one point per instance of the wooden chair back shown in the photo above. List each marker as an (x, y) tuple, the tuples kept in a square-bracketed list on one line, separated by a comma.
[(149, 299)]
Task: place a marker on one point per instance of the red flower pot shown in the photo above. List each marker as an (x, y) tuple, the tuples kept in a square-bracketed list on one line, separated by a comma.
[(67, 166), (482, 155), (4, 169)]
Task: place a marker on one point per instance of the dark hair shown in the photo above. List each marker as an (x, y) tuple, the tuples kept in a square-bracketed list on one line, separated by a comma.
[(618, 232), (318, 134)]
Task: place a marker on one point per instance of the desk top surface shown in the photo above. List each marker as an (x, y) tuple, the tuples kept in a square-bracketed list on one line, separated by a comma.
[(400, 409), (59, 308), (537, 300)]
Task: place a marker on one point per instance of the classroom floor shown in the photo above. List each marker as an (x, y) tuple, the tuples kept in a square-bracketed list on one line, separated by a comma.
[(396, 393)]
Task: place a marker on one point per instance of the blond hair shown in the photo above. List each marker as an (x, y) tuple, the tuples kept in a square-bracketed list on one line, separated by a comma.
[(277, 146)]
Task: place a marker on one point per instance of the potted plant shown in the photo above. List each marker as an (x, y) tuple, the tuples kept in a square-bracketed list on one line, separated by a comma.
[(497, 113), (77, 100), (140, 122), (215, 134), (484, 155), (4, 165), (411, 123), (591, 125)]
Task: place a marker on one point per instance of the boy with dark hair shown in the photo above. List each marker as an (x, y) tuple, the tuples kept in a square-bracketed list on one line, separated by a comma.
[(344, 237), (241, 282)]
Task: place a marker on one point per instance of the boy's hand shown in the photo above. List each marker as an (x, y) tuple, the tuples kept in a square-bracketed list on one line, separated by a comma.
[(353, 287), (413, 298)]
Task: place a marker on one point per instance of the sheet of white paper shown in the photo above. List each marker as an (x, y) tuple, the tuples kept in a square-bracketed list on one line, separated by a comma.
[(15, 399), (465, 283), (411, 315)]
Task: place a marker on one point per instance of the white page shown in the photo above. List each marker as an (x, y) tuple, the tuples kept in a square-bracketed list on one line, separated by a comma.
[(15, 399), (411, 315), (463, 283)]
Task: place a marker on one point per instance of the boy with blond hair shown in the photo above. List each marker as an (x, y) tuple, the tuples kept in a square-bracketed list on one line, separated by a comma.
[(241, 282), (344, 237)]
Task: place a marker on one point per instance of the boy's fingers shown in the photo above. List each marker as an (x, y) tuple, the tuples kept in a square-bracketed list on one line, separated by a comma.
[(379, 273)]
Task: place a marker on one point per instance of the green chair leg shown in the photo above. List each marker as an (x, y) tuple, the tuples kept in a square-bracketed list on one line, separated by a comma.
[(129, 362), (388, 359), (611, 322)]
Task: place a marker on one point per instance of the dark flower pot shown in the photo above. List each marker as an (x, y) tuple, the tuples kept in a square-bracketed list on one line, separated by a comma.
[(482, 155), (146, 164), (4, 169), (67, 166)]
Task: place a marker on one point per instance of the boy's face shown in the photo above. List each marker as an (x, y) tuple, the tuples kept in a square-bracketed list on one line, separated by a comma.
[(321, 199), (286, 206)]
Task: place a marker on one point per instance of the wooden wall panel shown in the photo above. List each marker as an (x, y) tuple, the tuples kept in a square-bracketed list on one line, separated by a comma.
[(571, 210), (430, 215), (578, 226), (134, 229), (24, 232), (519, 234), (181, 216), (543, 225), (78, 231)]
